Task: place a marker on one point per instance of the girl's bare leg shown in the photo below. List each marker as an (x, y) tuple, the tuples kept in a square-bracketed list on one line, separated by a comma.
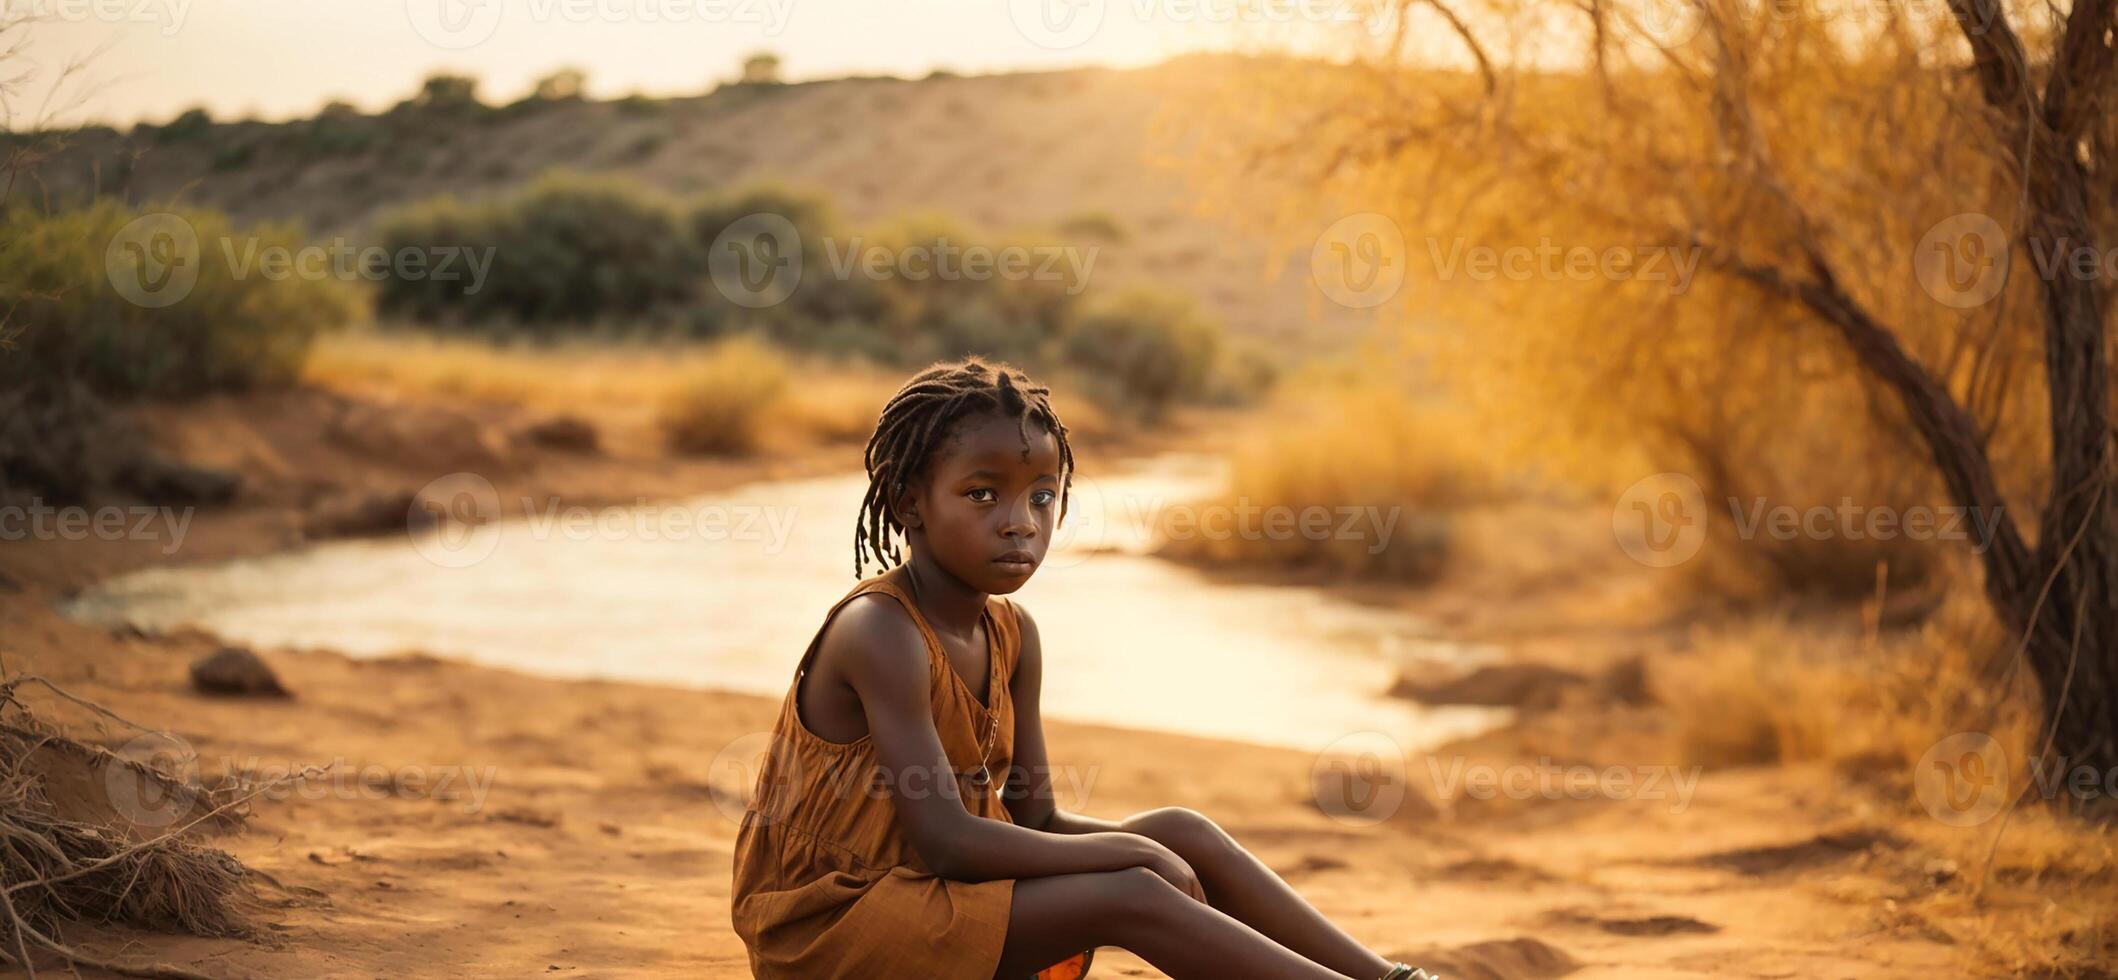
[(1057, 916), (1239, 884)]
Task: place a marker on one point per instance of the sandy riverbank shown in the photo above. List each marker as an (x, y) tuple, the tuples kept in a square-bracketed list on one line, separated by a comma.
[(584, 829)]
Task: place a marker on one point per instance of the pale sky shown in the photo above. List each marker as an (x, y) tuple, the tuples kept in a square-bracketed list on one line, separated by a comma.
[(274, 59)]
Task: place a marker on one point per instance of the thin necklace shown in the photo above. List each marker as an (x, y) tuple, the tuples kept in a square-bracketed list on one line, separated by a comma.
[(985, 749)]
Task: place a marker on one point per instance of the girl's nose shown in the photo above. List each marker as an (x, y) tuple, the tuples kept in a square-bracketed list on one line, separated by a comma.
[(1020, 522)]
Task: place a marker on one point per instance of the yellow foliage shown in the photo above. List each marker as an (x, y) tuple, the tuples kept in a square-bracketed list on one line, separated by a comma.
[(1361, 441)]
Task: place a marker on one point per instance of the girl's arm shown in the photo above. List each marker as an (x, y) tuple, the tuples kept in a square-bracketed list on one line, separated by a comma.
[(887, 667), (1030, 798)]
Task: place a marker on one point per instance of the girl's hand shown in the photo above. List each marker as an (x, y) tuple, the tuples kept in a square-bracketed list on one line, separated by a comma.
[(1161, 860)]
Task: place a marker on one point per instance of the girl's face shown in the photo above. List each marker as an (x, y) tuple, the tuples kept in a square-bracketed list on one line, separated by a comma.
[(986, 509)]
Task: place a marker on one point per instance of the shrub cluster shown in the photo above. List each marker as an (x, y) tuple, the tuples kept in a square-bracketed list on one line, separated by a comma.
[(572, 253), (234, 327)]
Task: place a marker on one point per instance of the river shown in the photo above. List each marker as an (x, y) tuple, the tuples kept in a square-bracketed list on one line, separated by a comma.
[(725, 591)]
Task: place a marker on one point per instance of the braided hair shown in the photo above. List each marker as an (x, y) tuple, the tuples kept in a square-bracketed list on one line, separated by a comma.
[(916, 422)]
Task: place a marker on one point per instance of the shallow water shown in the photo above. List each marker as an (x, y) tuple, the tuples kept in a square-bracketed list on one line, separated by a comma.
[(726, 591)]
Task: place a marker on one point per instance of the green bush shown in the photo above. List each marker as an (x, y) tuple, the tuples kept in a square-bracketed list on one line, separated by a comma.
[(1094, 225), (190, 125), (567, 249), (974, 311), (822, 303), (573, 252), (62, 274), (339, 130), (1146, 347)]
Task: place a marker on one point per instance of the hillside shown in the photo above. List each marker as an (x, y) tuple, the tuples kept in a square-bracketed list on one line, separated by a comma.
[(1005, 153)]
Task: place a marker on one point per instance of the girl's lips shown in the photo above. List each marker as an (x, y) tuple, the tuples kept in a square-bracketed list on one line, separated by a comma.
[(1018, 562)]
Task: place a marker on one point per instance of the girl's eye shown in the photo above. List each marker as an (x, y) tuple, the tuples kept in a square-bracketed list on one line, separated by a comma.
[(985, 499), (1044, 498)]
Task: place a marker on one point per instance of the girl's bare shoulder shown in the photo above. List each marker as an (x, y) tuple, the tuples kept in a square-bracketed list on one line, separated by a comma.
[(870, 630)]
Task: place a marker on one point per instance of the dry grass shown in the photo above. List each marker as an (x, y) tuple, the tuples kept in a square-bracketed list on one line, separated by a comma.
[(720, 405), (85, 859), (1777, 689), (2032, 891), (759, 395), (1331, 446)]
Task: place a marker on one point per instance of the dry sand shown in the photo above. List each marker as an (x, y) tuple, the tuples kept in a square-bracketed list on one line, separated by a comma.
[(600, 846)]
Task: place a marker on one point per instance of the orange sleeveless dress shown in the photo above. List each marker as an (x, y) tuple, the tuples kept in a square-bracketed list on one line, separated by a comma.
[(827, 884)]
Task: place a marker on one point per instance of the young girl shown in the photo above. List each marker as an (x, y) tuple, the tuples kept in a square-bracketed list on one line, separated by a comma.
[(904, 825)]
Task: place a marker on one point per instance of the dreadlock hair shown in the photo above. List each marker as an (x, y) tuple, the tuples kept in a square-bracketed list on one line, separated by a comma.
[(917, 421)]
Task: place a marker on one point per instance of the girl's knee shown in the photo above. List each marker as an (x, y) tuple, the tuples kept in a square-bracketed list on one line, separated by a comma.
[(1181, 829)]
